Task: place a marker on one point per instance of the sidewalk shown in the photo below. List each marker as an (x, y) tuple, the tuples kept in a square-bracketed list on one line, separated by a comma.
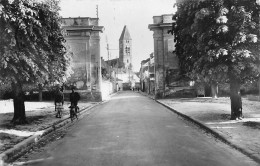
[(41, 121), (214, 116)]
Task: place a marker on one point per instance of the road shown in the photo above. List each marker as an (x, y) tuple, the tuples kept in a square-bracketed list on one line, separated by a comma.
[(133, 130)]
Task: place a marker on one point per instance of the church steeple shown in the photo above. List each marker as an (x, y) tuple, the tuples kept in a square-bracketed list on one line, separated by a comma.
[(125, 35), (125, 49)]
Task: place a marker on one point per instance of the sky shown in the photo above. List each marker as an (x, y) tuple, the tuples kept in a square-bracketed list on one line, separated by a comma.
[(114, 15)]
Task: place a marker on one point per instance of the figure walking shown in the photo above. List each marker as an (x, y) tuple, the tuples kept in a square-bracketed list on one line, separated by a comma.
[(59, 101)]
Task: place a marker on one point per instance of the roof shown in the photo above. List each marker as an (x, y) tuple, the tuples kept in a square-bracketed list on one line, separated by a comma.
[(103, 63), (145, 61), (117, 79), (112, 62), (125, 35)]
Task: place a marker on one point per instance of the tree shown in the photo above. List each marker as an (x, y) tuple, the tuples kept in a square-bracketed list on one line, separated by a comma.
[(219, 41), (31, 47)]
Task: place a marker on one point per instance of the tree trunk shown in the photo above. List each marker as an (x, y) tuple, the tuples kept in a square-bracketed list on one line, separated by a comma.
[(40, 92), (235, 97), (207, 90), (214, 89), (19, 107)]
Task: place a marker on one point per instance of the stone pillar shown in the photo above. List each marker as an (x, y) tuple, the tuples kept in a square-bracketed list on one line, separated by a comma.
[(88, 62), (96, 61), (164, 58), (82, 38), (159, 63)]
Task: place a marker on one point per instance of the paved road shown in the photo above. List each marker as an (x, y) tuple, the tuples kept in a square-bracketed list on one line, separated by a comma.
[(133, 130)]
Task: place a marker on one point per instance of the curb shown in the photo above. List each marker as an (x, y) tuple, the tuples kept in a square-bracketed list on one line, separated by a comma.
[(219, 136), (22, 147)]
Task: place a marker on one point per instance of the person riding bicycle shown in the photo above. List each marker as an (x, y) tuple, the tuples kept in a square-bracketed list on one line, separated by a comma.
[(73, 111), (74, 99)]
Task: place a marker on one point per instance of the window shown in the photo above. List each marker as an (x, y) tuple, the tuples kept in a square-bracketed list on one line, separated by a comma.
[(127, 49)]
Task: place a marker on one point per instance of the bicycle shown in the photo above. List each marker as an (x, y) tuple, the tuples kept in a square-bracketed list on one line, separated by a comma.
[(73, 112)]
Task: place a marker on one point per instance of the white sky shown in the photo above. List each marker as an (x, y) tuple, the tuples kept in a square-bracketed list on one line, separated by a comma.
[(114, 14)]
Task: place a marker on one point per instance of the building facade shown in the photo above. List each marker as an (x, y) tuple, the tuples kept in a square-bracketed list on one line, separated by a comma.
[(147, 80), (83, 40)]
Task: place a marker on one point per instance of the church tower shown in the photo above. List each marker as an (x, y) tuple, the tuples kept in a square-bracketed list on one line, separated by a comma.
[(125, 49)]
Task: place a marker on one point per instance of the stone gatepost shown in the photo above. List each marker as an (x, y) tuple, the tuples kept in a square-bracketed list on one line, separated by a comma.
[(165, 60), (83, 40)]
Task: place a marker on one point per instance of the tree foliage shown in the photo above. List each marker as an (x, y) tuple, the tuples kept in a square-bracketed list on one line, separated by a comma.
[(32, 46), (218, 40), (218, 37)]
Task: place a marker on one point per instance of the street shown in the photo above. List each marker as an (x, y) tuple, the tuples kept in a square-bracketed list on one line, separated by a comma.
[(132, 129)]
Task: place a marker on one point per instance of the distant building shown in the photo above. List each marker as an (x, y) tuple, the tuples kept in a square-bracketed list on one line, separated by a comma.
[(120, 69), (83, 40), (146, 74)]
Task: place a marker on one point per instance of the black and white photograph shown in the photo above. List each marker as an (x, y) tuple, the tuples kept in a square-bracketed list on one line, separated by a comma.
[(130, 83)]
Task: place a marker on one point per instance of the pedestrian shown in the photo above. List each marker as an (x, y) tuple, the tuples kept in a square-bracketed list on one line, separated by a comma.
[(240, 114), (59, 101), (236, 108), (74, 98)]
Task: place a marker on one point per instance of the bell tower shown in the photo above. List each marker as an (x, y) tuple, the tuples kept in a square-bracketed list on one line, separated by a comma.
[(125, 49)]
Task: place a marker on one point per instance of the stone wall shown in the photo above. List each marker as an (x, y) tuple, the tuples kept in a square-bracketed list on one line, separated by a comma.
[(85, 95)]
